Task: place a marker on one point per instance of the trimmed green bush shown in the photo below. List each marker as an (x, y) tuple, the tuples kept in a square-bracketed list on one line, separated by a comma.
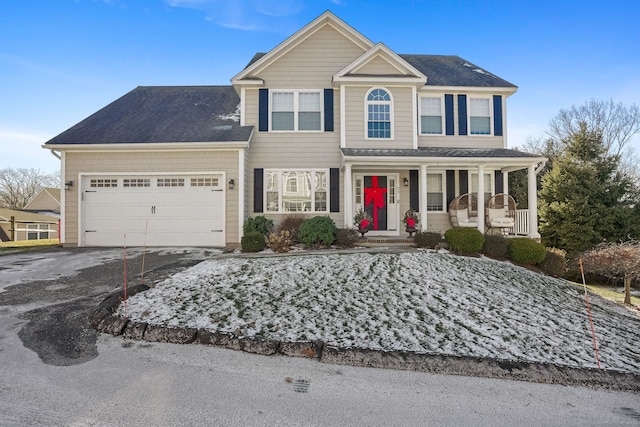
[(319, 230), (253, 242), (495, 246), (260, 224), (427, 239), (464, 240), (555, 262), (526, 251), (347, 237)]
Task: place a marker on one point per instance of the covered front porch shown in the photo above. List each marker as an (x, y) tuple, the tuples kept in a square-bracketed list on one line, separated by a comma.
[(386, 183)]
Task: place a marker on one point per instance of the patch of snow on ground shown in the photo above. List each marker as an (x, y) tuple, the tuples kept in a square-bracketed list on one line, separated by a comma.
[(416, 301)]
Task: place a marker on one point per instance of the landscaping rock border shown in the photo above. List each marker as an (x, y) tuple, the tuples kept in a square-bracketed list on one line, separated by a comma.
[(104, 320)]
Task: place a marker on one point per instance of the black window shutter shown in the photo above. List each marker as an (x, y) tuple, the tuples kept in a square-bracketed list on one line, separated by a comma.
[(451, 186), (414, 191), (328, 110), (497, 115), (463, 176), (462, 114), (499, 186), (263, 110), (334, 190), (258, 187), (448, 111)]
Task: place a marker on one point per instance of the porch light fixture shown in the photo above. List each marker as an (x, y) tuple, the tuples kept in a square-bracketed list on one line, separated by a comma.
[(232, 184), (68, 185), (406, 182)]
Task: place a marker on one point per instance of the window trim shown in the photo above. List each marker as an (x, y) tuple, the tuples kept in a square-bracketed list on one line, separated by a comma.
[(296, 110), (443, 175), (281, 183), (489, 99), (391, 104), (442, 115)]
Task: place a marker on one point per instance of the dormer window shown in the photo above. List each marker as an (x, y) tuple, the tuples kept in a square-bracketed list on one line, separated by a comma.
[(378, 114)]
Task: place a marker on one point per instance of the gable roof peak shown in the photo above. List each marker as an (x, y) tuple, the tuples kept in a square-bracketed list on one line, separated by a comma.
[(326, 18)]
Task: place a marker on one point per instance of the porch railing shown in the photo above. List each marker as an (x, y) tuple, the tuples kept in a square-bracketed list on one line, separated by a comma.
[(521, 227)]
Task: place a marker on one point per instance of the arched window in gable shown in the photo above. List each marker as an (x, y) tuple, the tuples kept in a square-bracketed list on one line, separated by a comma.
[(378, 114)]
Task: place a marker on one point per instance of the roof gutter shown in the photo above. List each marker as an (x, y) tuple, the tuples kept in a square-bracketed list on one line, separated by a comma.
[(53, 151)]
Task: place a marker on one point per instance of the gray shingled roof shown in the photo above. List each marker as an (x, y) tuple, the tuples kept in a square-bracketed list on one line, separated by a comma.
[(163, 114), (445, 70), (451, 70), (438, 152)]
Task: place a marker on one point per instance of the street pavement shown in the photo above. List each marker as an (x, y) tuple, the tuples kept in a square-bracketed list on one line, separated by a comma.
[(56, 371)]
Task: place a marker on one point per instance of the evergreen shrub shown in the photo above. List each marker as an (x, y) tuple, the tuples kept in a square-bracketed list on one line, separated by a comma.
[(253, 241), (464, 240), (319, 230), (526, 251), (427, 239), (495, 246), (555, 262), (259, 224)]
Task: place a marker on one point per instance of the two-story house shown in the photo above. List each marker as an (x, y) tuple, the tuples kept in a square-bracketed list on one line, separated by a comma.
[(325, 123)]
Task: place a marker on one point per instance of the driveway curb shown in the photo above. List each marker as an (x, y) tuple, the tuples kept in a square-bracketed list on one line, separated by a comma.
[(104, 320)]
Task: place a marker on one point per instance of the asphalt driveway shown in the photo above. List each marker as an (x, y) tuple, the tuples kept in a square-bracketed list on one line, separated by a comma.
[(53, 292)]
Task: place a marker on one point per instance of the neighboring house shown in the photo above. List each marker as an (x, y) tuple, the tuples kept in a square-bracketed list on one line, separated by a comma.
[(20, 225), (325, 123), (46, 202)]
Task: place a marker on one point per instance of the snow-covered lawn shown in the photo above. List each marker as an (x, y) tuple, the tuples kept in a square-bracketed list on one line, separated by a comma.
[(418, 301)]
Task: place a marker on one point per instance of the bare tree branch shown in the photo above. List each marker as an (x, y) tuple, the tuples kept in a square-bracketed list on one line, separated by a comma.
[(19, 186)]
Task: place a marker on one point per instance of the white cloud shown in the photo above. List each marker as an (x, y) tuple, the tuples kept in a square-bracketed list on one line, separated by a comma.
[(246, 15)]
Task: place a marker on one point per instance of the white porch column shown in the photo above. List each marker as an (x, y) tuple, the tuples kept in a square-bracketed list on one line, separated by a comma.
[(422, 197), (348, 197), (505, 182), (533, 202), (480, 193)]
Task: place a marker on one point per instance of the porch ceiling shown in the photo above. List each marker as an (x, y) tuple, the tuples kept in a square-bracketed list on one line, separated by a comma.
[(439, 156)]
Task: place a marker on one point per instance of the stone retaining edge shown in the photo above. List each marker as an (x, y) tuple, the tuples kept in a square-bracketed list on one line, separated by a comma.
[(103, 320)]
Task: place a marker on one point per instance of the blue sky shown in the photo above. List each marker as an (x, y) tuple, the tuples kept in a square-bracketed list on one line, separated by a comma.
[(62, 60)]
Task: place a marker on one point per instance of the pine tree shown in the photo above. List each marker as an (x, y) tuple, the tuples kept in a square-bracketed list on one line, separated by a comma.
[(584, 199)]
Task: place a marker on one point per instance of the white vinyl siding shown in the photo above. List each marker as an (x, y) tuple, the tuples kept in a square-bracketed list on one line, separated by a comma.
[(479, 116), (431, 117)]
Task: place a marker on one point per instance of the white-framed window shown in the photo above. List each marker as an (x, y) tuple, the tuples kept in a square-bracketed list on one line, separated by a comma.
[(379, 112), (431, 116), (296, 190), (37, 231), (479, 116), (488, 185), (296, 110), (436, 192)]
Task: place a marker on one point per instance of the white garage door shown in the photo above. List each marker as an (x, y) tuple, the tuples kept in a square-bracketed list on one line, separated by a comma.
[(162, 210)]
